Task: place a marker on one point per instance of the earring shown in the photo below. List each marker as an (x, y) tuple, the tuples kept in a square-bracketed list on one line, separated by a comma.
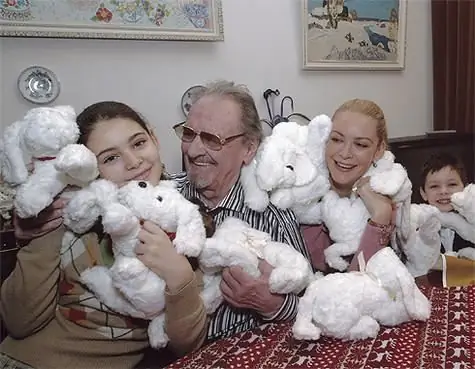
[(374, 164)]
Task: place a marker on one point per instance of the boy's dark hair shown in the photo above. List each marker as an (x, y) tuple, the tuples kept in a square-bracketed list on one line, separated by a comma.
[(441, 160)]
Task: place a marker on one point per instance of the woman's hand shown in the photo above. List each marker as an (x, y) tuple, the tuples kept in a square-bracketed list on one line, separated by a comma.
[(380, 207), (243, 291), (47, 221), (157, 252)]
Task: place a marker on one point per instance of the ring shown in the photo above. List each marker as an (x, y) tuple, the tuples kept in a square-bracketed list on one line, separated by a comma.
[(354, 189)]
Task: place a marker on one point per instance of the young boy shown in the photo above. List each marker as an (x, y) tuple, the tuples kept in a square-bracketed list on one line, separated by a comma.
[(443, 175)]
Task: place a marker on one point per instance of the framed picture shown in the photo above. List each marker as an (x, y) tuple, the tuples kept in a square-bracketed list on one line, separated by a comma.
[(196, 20), (354, 34)]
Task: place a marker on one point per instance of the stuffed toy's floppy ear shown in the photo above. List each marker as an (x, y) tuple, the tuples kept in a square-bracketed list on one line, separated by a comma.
[(190, 232), (318, 132), (254, 197), (14, 161), (417, 305)]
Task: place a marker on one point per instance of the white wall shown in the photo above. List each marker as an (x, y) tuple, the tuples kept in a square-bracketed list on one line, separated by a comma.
[(262, 49)]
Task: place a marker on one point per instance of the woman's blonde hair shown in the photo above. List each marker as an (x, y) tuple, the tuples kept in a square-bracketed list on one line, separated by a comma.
[(370, 109)]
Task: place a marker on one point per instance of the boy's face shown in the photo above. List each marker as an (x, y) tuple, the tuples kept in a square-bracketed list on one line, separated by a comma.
[(439, 186)]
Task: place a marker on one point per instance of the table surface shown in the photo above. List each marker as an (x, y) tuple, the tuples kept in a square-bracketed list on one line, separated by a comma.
[(446, 340)]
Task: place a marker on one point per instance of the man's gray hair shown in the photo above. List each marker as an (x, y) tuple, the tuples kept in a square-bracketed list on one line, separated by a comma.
[(240, 94)]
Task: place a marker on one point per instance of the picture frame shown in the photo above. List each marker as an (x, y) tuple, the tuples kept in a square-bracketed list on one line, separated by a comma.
[(354, 34), (181, 20)]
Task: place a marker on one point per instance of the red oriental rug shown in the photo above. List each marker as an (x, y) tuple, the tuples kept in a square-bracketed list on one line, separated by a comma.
[(446, 341)]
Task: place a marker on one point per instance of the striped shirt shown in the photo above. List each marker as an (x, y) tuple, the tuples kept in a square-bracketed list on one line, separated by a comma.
[(280, 224)]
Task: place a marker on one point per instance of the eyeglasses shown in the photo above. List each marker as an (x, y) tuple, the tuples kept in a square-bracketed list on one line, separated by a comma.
[(211, 141)]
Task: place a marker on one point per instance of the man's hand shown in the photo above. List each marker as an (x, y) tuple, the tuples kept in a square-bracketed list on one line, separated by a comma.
[(243, 291)]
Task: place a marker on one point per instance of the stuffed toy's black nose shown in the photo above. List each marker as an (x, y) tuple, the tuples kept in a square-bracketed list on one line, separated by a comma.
[(142, 184)]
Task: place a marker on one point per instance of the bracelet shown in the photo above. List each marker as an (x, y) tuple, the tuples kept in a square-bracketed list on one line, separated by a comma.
[(386, 231)]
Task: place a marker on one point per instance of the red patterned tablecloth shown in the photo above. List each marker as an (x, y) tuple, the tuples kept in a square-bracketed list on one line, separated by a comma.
[(446, 341)]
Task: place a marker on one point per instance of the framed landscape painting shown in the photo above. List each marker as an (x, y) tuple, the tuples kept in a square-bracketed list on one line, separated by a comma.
[(354, 34), (199, 20)]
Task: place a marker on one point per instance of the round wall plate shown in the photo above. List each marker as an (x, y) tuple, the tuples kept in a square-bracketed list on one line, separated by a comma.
[(189, 97), (38, 85)]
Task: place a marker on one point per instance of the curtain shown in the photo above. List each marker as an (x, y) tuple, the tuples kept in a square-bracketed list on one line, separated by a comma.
[(453, 43)]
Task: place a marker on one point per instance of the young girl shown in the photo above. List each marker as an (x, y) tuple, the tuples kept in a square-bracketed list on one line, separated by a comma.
[(52, 320)]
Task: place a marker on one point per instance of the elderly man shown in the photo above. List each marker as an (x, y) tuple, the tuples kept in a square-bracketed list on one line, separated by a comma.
[(221, 134)]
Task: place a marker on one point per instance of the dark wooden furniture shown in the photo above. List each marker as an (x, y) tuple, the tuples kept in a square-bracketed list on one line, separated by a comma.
[(8, 251), (413, 151)]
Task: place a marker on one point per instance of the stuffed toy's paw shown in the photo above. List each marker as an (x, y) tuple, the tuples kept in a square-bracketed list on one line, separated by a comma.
[(467, 253), (211, 295), (464, 203), (130, 269), (156, 332), (429, 230), (366, 327), (118, 220), (82, 211), (334, 255), (305, 330), (310, 213), (282, 198), (291, 272)]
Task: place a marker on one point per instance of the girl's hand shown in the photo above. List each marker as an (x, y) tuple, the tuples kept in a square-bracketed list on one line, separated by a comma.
[(157, 252), (380, 207), (47, 221)]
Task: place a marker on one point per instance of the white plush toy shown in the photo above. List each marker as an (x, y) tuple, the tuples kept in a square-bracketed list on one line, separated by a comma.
[(236, 243), (423, 246), (289, 170), (46, 138), (346, 218), (462, 220), (464, 203), (352, 305), (129, 287)]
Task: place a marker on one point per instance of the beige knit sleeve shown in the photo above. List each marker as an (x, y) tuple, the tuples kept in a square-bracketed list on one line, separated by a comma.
[(186, 319), (29, 294)]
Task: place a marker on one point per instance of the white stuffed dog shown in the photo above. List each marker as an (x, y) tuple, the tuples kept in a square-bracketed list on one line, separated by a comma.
[(289, 170), (352, 305), (423, 246), (236, 243), (129, 287), (346, 218), (46, 137), (462, 220), (464, 203)]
